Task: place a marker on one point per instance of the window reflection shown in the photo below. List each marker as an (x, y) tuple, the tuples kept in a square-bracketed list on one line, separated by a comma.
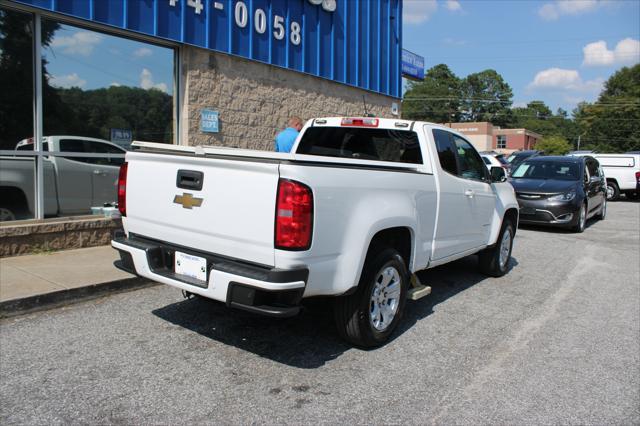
[(16, 114)]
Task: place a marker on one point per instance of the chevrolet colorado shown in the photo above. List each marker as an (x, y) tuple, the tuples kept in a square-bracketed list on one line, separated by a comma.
[(357, 207)]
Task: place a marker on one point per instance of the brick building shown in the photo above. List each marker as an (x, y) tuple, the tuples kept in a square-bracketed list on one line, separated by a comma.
[(487, 137)]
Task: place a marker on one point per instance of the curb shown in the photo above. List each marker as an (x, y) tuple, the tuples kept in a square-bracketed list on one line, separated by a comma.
[(56, 299)]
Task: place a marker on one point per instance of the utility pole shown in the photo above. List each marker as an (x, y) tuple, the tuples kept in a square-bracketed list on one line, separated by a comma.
[(579, 136)]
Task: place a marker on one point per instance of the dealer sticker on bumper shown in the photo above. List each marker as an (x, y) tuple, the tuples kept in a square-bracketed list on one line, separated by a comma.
[(191, 266)]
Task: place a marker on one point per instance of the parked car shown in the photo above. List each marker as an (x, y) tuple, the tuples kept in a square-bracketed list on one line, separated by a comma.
[(561, 191), (492, 159), (518, 157), (623, 174), (72, 185), (357, 207)]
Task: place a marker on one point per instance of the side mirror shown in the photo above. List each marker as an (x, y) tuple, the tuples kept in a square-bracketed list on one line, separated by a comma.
[(498, 174)]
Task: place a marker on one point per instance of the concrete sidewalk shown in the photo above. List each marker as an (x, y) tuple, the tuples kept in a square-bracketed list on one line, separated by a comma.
[(41, 281)]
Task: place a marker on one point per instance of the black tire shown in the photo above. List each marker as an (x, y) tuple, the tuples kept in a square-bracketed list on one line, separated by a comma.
[(602, 214), (353, 312), (7, 214), (13, 205), (613, 192), (489, 259), (581, 223)]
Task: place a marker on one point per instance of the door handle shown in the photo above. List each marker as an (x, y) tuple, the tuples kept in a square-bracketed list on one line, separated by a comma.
[(469, 193), (99, 172)]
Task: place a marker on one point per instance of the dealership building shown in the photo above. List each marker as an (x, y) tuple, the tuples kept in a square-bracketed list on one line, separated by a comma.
[(185, 72)]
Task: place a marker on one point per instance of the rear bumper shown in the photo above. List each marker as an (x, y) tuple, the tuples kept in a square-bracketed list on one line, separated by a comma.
[(255, 288)]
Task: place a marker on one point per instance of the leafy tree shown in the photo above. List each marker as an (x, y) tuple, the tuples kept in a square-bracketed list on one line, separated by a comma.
[(487, 97), (611, 123), (436, 99), (537, 117), (16, 80), (554, 145)]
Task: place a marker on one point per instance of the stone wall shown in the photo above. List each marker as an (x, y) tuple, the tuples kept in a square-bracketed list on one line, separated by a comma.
[(255, 100), (37, 236)]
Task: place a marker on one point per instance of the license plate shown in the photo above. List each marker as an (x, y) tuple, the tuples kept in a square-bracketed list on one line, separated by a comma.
[(191, 266)]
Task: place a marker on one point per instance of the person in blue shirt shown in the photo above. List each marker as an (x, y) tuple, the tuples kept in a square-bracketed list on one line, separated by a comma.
[(286, 138)]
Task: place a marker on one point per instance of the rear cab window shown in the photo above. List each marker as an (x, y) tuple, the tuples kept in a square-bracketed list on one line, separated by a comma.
[(397, 146)]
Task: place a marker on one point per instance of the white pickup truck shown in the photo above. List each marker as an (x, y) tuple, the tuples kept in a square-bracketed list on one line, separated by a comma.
[(357, 207)]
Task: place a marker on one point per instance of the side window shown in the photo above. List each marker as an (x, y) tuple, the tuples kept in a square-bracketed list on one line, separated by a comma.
[(88, 147), (592, 165), (72, 145), (486, 161), (470, 162), (76, 146), (446, 151)]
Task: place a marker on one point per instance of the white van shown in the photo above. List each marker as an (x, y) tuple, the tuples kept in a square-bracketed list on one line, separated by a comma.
[(622, 172)]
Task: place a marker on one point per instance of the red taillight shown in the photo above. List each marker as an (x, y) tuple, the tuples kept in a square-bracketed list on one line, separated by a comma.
[(360, 122), (638, 177), (122, 189), (294, 216)]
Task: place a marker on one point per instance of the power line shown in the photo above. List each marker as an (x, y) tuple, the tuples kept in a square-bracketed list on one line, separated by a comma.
[(499, 42), (479, 100)]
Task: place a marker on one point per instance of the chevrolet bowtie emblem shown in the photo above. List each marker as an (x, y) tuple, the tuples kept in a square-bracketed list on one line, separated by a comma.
[(188, 201)]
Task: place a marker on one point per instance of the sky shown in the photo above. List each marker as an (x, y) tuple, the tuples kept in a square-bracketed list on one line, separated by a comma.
[(557, 51), (90, 60)]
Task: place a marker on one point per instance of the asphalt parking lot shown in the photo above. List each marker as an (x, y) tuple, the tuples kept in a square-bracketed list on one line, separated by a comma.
[(556, 341)]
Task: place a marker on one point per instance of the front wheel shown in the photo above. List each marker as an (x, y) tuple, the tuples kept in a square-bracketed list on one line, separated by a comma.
[(494, 261), (603, 210), (368, 317), (582, 219), (6, 215)]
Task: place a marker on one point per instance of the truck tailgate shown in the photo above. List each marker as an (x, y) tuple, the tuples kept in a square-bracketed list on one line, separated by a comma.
[(235, 218)]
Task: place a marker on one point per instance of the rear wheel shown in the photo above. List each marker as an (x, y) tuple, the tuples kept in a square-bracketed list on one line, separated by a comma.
[(613, 192), (495, 260), (368, 317)]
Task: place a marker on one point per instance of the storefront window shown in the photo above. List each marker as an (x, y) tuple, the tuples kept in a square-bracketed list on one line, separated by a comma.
[(99, 93), (16, 114)]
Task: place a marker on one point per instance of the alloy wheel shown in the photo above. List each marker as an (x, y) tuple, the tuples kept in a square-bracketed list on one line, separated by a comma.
[(505, 248), (583, 217), (385, 298)]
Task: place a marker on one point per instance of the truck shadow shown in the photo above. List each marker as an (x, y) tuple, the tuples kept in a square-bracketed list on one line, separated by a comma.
[(310, 339)]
